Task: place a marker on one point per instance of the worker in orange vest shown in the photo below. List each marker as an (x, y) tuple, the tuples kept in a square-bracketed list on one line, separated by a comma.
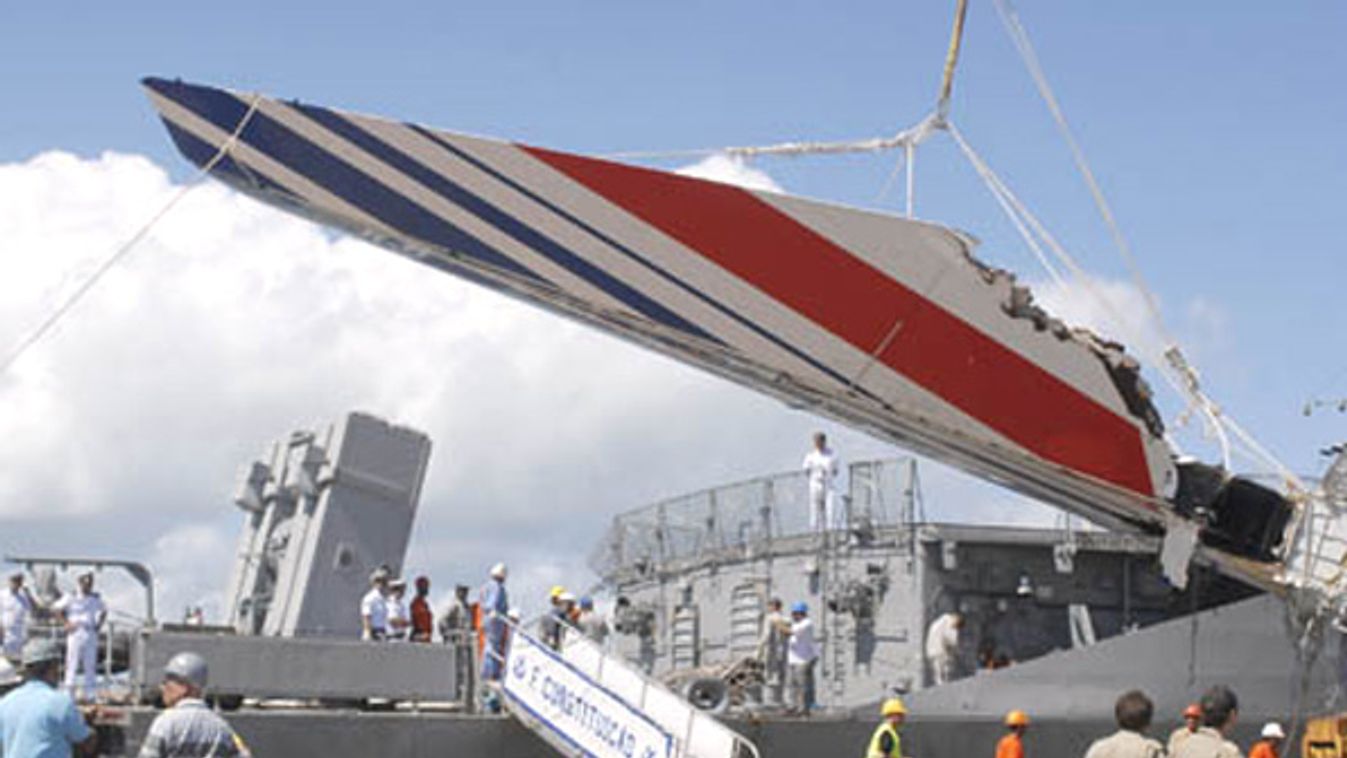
[(1012, 745), (1270, 745)]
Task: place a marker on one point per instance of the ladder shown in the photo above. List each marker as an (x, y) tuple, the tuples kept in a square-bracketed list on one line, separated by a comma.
[(584, 701)]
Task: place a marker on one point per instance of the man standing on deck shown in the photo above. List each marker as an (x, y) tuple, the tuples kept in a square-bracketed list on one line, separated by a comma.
[(821, 466), (495, 605), (1133, 712), (772, 650), (1220, 710), (36, 719), (1192, 721), (188, 728), (83, 614), (942, 646), (423, 621), (399, 622), (802, 656), (374, 607), (16, 608)]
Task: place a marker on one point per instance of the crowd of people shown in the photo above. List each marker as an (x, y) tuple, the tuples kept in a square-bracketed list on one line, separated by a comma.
[(1205, 732)]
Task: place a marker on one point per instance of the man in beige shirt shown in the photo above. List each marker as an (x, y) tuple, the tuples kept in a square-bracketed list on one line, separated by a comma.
[(1133, 712), (1220, 709)]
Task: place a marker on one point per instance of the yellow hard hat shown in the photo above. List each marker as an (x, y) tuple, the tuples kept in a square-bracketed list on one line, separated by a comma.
[(556, 591), (1017, 718), (893, 707)]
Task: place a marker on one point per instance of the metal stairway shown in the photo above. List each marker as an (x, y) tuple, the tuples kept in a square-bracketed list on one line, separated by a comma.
[(585, 702)]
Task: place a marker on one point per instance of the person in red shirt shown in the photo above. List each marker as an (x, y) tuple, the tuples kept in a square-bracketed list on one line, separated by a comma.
[(423, 621), (1270, 745), (1012, 745)]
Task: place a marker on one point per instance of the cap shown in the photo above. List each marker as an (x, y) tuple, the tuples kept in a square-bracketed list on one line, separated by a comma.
[(1273, 730), (378, 575), (188, 668), (799, 608), (1017, 718), (8, 674), (422, 581), (398, 583), (893, 707), (556, 591), (498, 571), (1193, 711), (41, 650)]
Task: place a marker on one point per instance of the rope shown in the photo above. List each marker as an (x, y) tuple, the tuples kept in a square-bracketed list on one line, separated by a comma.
[(912, 135), (125, 249)]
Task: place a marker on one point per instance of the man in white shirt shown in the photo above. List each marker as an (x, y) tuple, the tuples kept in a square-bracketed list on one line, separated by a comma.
[(772, 650), (801, 656), (374, 607), (16, 607), (398, 619), (82, 612), (821, 466), (942, 646)]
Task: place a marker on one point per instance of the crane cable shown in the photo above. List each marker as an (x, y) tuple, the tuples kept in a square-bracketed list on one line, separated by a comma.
[(125, 249), (1174, 357)]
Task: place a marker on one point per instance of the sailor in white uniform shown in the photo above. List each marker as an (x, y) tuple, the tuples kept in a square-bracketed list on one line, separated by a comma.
[(374, 607), (16, 607), (83, 613), (821, 466)]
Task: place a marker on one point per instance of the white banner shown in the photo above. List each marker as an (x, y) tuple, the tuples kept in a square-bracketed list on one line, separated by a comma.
[(576, 709)]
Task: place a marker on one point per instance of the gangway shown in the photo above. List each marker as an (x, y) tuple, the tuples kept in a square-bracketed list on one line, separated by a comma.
[(585, 701)]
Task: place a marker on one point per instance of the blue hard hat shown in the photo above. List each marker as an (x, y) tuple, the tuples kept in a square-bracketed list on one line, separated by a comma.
[(799, 608), (586, 602)]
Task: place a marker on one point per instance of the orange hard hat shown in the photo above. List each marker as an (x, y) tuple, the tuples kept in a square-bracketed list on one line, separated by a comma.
[(1193, 711), (1017, 718)]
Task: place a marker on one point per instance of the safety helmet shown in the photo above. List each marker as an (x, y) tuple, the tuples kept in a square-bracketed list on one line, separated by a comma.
[(498, 571), (188, 668), (378, 575), (41, 650), (586, 602), (1017, 718), (1273, 730), (893, 707), (1193, 711), (799, 608), (556, 591), (566, 597)]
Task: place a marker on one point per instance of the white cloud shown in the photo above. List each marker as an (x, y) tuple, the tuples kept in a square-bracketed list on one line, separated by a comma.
[(121, 434), (731, 170)]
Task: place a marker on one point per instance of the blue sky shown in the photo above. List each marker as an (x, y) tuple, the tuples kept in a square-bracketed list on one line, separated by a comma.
[(1215, 129)]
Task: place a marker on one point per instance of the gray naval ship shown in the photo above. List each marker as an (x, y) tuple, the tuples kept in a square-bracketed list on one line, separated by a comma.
[(1057, 621)]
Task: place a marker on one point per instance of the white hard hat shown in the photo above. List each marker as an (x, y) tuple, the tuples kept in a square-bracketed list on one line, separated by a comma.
[(513, 614), (1274, 730), (498, 571), (41, 650), (566, 597), (8, 674), (188, 668)]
